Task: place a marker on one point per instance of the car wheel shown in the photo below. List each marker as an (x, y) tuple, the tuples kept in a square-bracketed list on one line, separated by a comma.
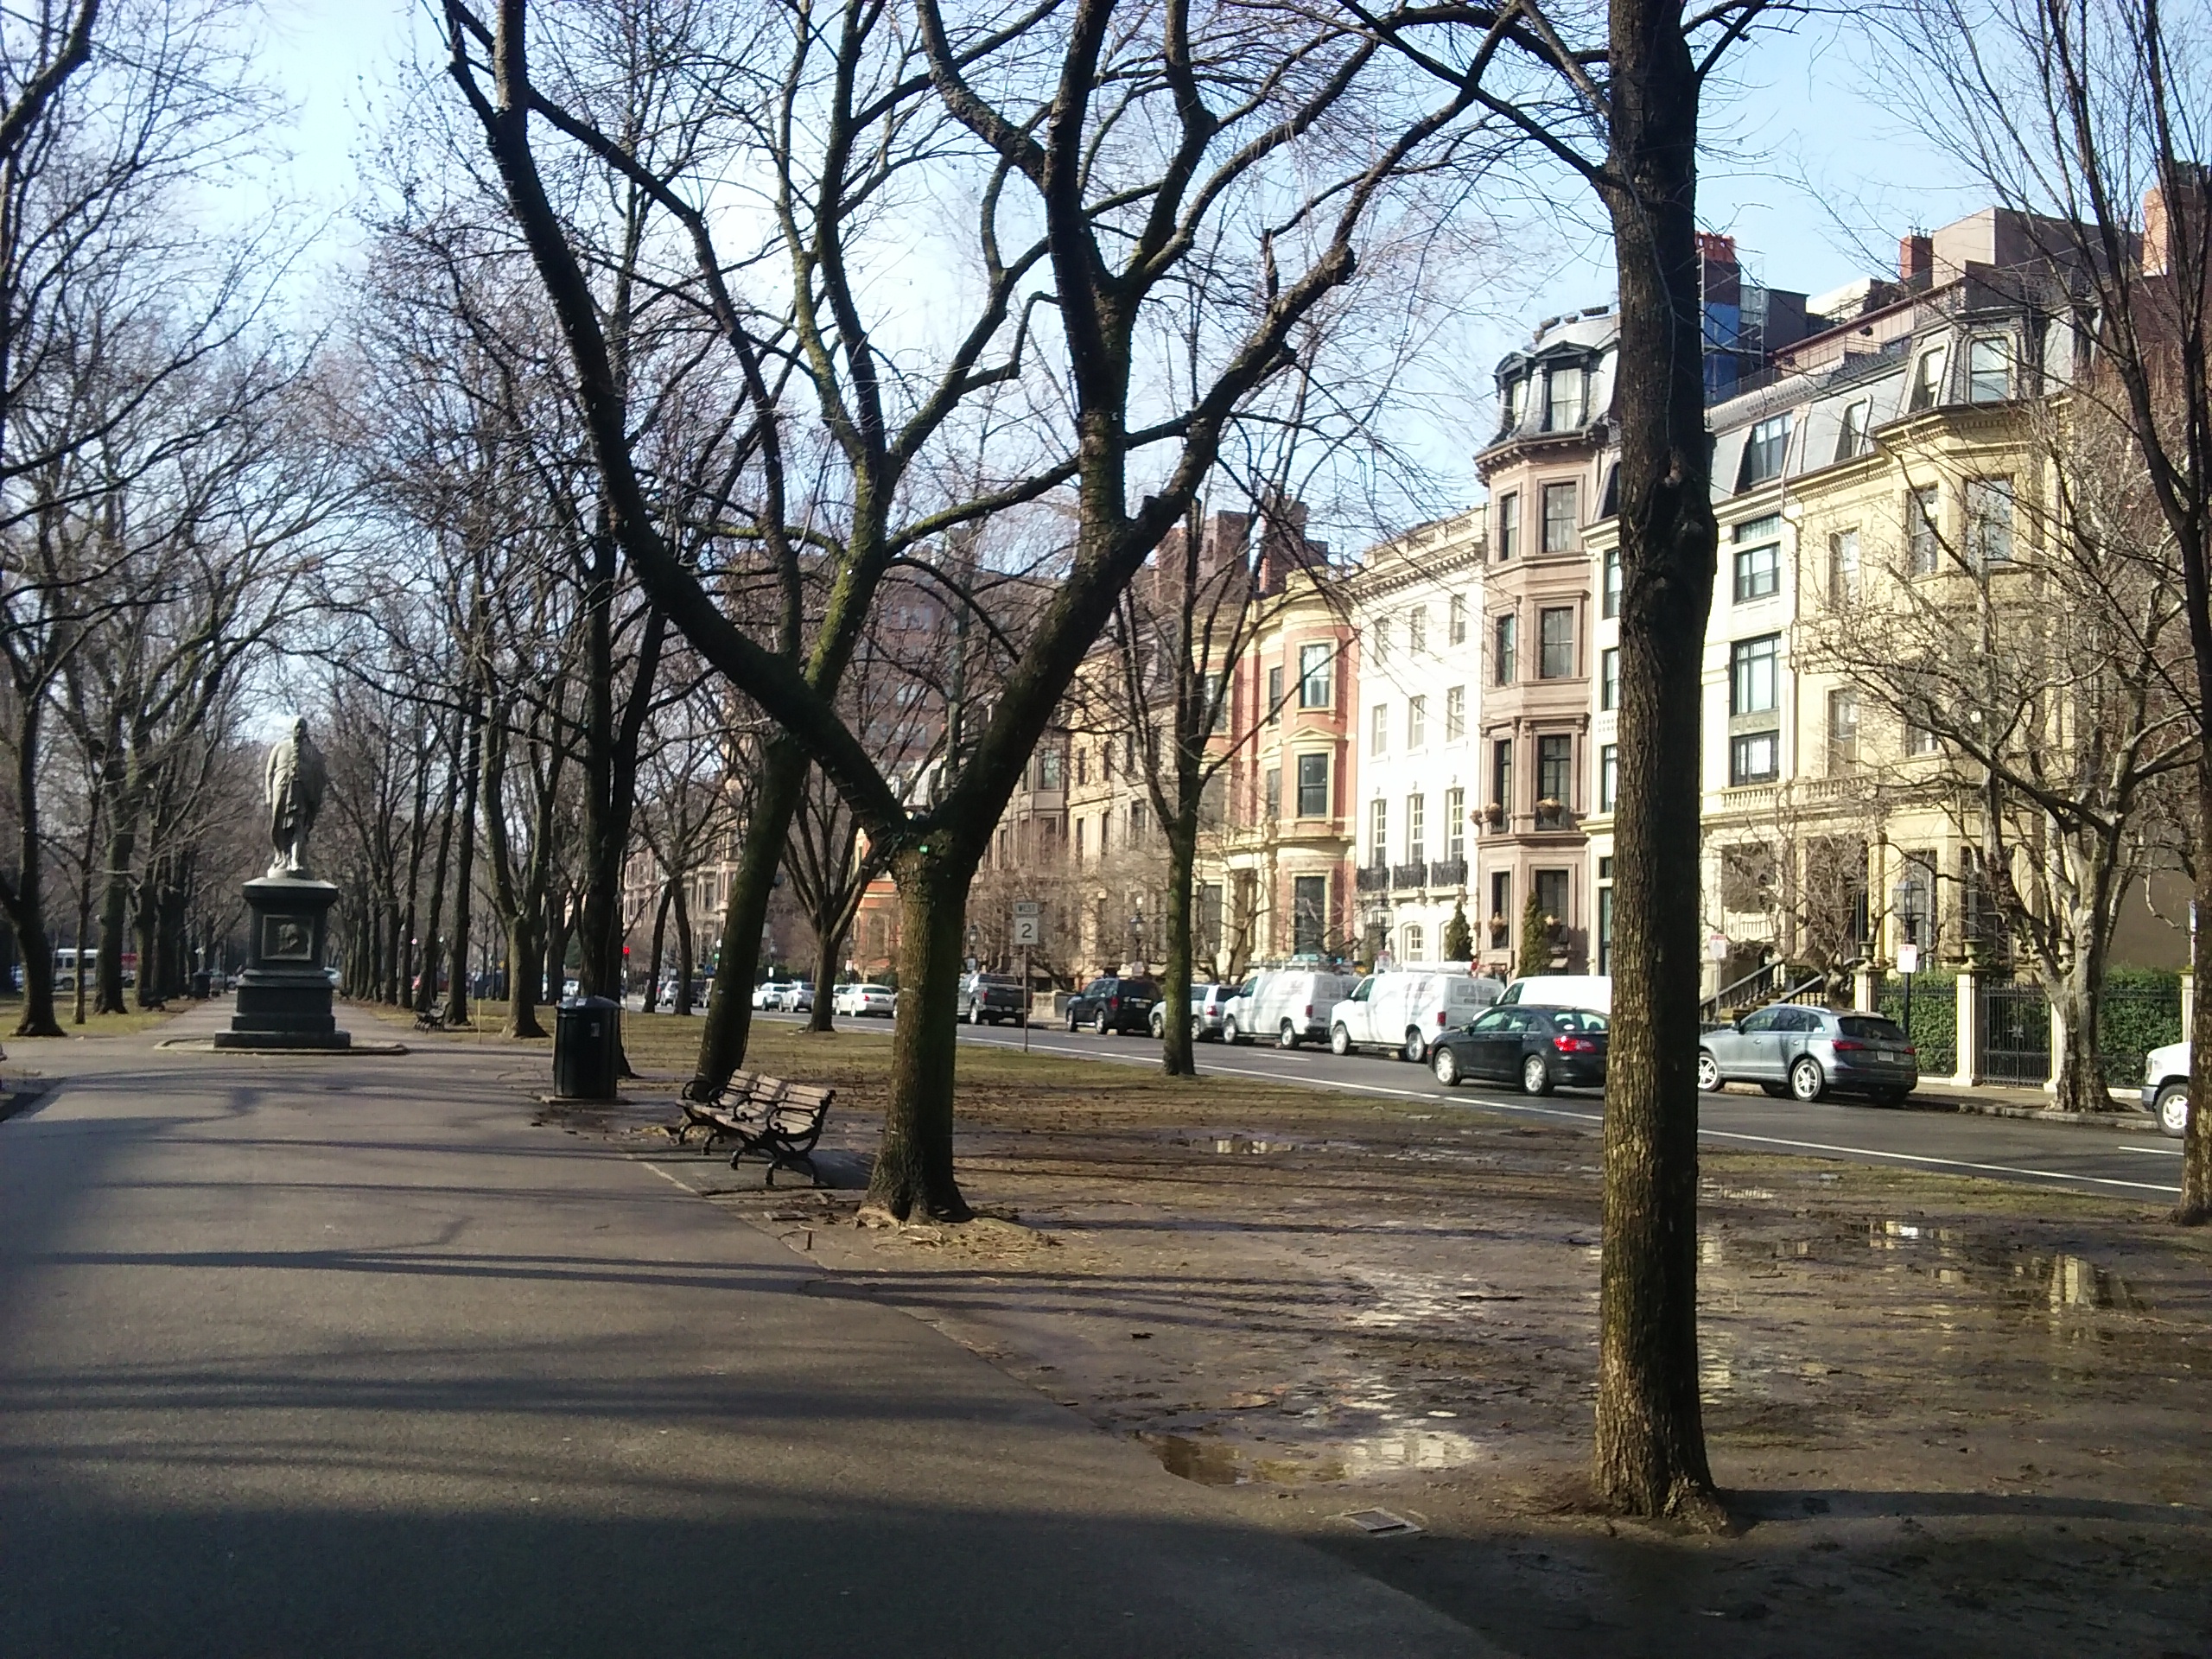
[(2173, 1108), (1074, 1024), (1230, 1034), (1098, 1024), (1287, 1036), (1708, 1073), (1535, 1076), (1198, 1028), (1159, 1026), (1807, 1082), (1416, 1047), (1446, 1067), (1339, 1041)]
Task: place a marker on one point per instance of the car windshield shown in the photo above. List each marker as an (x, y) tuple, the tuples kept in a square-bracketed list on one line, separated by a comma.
[(1881, 1031), (1139, 988)]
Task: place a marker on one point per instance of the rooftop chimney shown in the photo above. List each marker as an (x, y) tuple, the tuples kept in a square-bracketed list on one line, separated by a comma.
[(1917, 259), (2160, 230)]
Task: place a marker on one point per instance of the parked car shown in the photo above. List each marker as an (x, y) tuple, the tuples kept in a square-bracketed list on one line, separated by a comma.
[(1290, 1005), (1209, 1005), (769, 993), (1809, 1052), (991, 997), (796, 997), (860, 1000), (1563, 991), (1406, 1010), (2165, 1087), (1114, 1004), (1536, 1046)]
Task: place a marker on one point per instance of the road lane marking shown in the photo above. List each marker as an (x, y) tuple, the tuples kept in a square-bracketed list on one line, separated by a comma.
[(2156, 1152), (1923, 1158)]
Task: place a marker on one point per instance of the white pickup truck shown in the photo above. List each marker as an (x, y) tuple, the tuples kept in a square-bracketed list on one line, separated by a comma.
[(2165, 1087)]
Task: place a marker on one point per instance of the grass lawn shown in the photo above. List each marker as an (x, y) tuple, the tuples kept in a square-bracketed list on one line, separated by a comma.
[(96, 1025)]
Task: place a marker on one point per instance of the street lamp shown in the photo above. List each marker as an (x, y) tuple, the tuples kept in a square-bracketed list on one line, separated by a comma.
[(974, 942), (1908, 895), (1137, 938)]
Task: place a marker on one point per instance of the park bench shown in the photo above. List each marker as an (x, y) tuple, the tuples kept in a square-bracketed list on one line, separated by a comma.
[(779, 1121), (430, 1020)]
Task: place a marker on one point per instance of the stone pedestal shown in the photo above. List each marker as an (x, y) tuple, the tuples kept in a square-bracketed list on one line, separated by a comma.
[(283, 995)]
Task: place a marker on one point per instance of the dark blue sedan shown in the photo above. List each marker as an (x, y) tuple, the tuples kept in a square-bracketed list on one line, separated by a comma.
[(1537, 1047)]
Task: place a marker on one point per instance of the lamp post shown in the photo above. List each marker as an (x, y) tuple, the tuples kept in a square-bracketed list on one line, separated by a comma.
[(1907, 896), (1137, 938)]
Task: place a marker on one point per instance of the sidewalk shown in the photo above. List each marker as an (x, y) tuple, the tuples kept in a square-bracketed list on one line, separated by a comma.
[(335, 1356), (2001, 1100)]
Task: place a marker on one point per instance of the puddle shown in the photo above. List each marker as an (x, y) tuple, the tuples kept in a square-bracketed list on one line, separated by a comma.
[(2066, 1281), (1212, 1461), (1245, 1143)]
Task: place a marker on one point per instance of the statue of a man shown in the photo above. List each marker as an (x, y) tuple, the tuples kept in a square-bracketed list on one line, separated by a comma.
[(293, 780)]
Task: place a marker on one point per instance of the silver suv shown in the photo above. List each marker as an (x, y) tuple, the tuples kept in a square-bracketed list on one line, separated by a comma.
[(1807, 1052), (1209, 1009)]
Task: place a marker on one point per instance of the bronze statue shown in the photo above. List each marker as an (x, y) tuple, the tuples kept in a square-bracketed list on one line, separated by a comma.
[(293, 780)]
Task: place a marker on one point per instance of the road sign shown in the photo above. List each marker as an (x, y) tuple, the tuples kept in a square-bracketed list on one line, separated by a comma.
[(1716, 946), (1028, 931), (1028, 907), (1908, 959)]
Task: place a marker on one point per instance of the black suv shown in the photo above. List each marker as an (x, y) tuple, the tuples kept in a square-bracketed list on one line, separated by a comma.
[(1105, 1005)]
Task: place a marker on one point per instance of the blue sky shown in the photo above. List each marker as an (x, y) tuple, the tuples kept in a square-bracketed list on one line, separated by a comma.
[(1805, 168)]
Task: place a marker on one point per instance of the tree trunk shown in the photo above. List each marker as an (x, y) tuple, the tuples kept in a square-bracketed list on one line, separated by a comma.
[(522, 987), (426, 994), (829, 945), (729, 1003), (115, 908), (2195, 1209), (682, 886), (1649, 1454), (2076, 1000), (560, 925), (913, 1166), (660, 939), (464, 870), (27, 900), (1176, 1058)]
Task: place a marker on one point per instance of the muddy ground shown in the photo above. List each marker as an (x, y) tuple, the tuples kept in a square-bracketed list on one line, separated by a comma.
[(1950, 1416)]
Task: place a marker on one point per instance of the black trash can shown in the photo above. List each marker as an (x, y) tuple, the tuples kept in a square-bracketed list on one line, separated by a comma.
[(203, 984), (587, 1042)]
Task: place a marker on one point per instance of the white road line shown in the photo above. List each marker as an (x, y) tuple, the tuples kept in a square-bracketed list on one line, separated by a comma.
[(2160, 1152), (1593, 1118)]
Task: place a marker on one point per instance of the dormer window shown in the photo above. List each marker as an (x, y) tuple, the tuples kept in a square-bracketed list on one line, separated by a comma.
[(1563, 388), (1852, 442), (1762, 452), (1989, 369), (1927, 378), (1516, 402)]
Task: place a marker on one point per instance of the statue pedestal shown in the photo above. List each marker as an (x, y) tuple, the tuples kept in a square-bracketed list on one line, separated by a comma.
[(283, 995)]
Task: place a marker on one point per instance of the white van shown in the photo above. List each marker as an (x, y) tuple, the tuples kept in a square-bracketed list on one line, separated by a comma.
[(1404, 1010), (1290, 1005), (1592, 991)]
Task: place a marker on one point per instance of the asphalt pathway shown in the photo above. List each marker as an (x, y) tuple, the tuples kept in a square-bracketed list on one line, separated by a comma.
[(324, 1357), (2120, 1163)]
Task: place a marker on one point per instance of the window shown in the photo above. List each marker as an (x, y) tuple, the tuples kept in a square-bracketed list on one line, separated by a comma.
[(1378, 729), (1456, 620), (1455, 714), (1609, 776), (1378, 833), (1918, 738), (1925, 547), (1556, 769), (1316, 688), (1078, 841), (1274, 695), (1416, 828), (1083, 766), (1561, 518), (1516, 401), (1754, 757), (1378, 640), (1312, 785), (1843, 731), (1989, 369), (1609, 678), (1501, 774), (1508, 527), (1415, 940), (1555, 638), (1270, 796), (1928, 379), (1136, 823), (1563, 395), (1843, 568), (1752, 675), (1764, 451), (1758, 558), (1048, 769), (1851, 440), (1416, 722), (1605, 915), (1611, 606), (1309, 914), (1551, 894), (1501, 905), (1106, 760), (1989, 521), (1455, 824), (1105, 837), (1505, 651), (1417, 630), (1215, 688)]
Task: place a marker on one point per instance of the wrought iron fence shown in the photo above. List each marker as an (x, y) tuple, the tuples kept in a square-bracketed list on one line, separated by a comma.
[(2015, 1033)]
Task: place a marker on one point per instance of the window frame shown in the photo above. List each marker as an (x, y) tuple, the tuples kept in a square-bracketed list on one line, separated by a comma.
[(1977, 376), (1556, 658), (1609, 584), (1317, 677), (1456, 620), (1609, 776), (1416, 722), (1927, 389), (1843, 568), (1609, 679), (1854, 435), (1455, 714), (1922, 503), (1509, 524), (1766, 450), (1740, 748), (1984, 528), (1569, 524), (1505, 648), (1745, 658), (1316, 783), (1378, 728), (1555, 765)]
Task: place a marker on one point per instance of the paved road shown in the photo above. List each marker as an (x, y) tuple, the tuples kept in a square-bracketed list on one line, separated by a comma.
[(303, 1356), (2116, 1162)]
